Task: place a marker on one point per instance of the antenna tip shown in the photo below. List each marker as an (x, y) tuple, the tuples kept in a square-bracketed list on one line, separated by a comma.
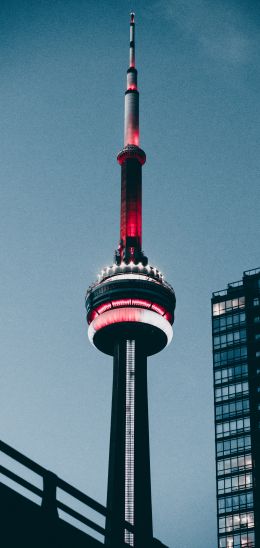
[(132, 17)]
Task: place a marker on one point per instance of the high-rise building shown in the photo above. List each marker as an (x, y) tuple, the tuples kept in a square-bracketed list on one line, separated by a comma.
[(130, 312), (236, 355)]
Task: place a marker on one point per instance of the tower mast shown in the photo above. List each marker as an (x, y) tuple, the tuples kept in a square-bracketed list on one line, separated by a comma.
[(130, 247), (130, 312)]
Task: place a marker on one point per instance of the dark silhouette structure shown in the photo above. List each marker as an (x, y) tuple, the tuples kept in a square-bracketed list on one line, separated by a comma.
[(236, 353), (130, 312), (31, 523), (39, 516)]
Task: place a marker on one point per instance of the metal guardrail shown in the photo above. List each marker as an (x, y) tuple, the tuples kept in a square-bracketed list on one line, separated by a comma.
[(239, 283), (48, 493), (251, 272), (230, 286), (220, 293)]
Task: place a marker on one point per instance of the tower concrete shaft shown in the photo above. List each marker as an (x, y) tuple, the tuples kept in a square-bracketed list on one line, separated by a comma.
[(129, 485)]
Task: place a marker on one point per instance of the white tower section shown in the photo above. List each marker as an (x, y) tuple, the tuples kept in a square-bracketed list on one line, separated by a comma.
[(131, 135)]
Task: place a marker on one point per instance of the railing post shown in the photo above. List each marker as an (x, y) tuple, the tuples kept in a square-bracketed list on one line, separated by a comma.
[(49, 503)]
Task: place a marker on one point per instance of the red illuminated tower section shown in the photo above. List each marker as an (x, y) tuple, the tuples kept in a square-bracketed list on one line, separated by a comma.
[(131, 159), (130, 312)]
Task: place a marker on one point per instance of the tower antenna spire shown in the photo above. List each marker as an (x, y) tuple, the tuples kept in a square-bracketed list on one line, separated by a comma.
[(131, 136), (131, 159), (132, 40)]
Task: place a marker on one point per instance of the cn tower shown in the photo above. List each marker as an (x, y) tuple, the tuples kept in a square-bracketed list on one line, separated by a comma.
[(130, 312)]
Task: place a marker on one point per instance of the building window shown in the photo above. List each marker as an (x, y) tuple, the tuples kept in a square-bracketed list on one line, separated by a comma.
[(257, 319), (225, 356), (231, 391), (236, 521), (257, 354), (256, 301), (227, 306), (234, 464), (240, 540), (228, 339), (231, 373), (236, 445), (229, 428), (235, 502), (232, 409), (257, 336), (235, 483), (226, 322)]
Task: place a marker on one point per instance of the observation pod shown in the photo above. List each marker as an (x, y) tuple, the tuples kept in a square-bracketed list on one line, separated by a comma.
[(130, 302), (130, 313)]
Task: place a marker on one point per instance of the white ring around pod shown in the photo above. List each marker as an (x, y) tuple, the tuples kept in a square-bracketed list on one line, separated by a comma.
[(130, 314)]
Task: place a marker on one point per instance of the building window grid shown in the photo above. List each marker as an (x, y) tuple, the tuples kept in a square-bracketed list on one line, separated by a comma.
[(244, 520), (229, 374), (241, 444), (231, 465), (231, 391), (234, 503), (242, 523), (227, 306), (229, 321), (229, 338), (231, 484), (233, 427), (238, 540), (232, 409), (224, 357)]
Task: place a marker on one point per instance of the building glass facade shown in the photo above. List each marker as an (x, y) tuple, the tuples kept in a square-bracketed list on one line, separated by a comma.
[(236, 362)]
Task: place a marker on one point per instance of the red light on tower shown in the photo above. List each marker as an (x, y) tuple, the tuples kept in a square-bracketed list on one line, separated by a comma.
[(136, 138)]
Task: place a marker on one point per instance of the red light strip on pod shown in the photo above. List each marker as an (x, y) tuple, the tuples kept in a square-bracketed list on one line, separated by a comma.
[(117, 316), (141, 302), (168, 316), (158, 309), (93, 314), (121, 302), (103, 307)]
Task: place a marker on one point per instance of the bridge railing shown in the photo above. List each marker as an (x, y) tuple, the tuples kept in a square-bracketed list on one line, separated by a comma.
[(50, 502)]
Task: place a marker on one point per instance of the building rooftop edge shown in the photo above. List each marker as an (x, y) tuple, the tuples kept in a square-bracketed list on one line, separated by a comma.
[(237, 284)]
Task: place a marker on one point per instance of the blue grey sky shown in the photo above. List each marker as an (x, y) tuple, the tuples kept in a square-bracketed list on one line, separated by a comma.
[(63, 68)]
